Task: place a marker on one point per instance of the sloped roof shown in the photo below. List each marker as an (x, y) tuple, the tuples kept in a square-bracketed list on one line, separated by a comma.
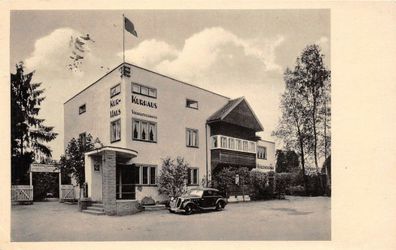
[(226, 109), (238, 112)]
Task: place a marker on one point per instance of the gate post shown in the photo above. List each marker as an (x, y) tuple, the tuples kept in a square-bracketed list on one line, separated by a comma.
[(60, 187)]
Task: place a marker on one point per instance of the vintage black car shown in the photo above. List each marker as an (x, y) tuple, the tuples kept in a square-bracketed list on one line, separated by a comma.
[(198, 199)]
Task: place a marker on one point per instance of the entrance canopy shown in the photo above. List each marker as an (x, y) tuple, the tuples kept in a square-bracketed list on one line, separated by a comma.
[(47, 168), (120, 152)]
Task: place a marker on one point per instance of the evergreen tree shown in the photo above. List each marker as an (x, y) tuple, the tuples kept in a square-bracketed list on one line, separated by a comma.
[(73, 161), (28, 132)]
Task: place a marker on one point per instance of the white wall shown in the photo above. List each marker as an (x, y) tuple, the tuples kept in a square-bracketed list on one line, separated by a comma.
[(173, 117), (269, 163)]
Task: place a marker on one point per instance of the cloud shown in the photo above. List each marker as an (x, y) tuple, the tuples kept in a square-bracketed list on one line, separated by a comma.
[(218, 60), (206, 51), (49, 60), (150, 52)]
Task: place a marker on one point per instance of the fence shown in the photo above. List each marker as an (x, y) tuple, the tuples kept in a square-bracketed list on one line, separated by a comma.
[(21, 193), (67, 193)]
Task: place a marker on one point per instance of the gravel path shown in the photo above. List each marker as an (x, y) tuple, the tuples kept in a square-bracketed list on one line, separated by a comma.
[(296, 218)]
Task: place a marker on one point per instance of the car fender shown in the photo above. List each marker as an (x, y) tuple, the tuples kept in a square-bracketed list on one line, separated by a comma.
[(190, 202), (221, 199)]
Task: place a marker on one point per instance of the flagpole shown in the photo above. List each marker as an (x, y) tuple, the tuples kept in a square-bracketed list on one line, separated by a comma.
[(123, 38)]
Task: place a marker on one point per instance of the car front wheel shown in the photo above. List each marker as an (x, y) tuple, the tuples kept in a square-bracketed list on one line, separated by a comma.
[(188, 209), (220, 205)]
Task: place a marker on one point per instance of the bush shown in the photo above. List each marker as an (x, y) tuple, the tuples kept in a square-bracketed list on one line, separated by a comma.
[(314, 185), (261, 185), (173, 177), (282, 182)]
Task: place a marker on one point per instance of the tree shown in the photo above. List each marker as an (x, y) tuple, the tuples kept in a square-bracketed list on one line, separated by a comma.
[(287, 161), (292, 126), (305, 107), (312, 76), (28, 132), (73, 161), (173, 177)]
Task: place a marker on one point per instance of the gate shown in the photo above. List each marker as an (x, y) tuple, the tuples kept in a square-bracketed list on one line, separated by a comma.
[(67, 193), (22, 193)]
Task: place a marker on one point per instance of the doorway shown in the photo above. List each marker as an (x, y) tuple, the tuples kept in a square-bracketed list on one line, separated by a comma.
[(127, 176)]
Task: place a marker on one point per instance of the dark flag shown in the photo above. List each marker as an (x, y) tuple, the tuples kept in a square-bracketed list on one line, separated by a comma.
[(130, 27)]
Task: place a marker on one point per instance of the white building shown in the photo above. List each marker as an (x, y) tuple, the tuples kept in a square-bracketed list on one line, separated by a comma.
[(142, 117)]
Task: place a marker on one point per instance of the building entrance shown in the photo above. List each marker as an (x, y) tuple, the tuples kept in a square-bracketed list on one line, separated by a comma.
[(127, 176)]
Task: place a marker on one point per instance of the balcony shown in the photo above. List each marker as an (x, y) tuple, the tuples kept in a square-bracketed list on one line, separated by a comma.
[(233, 144)]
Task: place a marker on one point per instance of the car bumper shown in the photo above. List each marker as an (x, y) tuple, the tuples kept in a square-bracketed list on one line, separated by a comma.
[(176, 209)]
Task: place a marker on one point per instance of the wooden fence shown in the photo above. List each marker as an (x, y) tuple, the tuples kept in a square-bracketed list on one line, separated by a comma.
[(21, 193), (67, 193)]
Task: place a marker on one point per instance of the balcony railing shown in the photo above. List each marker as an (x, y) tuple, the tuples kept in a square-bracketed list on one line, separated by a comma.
[(231, 143)]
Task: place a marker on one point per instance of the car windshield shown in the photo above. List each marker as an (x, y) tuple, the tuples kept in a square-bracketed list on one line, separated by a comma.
[(195, 192)]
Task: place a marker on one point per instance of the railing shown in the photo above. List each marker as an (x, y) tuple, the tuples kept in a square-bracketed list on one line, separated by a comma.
[(21, 193), (67, 192), (127, 191), (231, 143)]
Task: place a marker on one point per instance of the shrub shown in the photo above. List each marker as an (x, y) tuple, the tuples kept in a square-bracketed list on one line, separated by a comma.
[(173, 177), (223, 179), (282, 182), (261, 185), (314, 185)]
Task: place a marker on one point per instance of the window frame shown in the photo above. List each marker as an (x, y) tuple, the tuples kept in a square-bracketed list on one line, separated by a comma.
[(80, 108), (196, 131), (112, 140), (149, 172), (191, 100), (264, 157), (153, 90), (115, 86), (140, 121), (190, 176)]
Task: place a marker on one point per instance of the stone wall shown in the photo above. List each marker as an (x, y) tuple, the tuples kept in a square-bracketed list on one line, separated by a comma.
[(109, 182)]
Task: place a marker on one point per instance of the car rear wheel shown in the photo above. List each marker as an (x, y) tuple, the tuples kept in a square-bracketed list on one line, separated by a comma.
[(220, 205), (188, 210)]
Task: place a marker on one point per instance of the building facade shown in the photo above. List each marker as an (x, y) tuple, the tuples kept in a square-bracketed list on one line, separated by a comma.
[(142, 117)]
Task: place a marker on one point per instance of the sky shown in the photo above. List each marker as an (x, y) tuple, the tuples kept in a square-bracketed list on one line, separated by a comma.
[(231, 52)]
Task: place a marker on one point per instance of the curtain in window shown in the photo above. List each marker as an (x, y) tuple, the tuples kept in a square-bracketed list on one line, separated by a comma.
[(136, 129), (144, 135), (152, 132)]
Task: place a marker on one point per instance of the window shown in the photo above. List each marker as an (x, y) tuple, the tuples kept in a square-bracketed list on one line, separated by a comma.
[(152, 175), (223, 142), (115, 130), (192, 137), (252, 147), (231, 143), (82, 109), (239, 144), (192, 176), (245, 146), (148, 175), (191, 104), (144, 90), (115, 90), (145, 179), (261, 152), (144, 130), (214, 142)]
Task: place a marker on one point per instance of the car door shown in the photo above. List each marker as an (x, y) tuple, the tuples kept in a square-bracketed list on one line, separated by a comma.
[(208, 199)]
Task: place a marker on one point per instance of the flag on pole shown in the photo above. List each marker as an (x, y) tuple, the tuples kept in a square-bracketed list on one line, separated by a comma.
[(129, 26)]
